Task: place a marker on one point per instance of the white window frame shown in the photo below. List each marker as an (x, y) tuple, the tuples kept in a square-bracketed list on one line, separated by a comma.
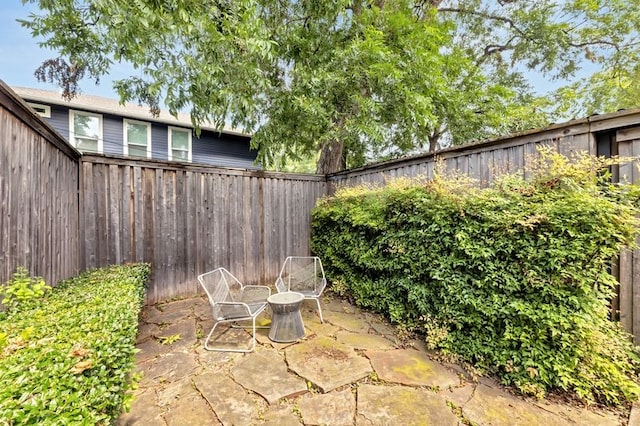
[(170, 138), (125, 134), (72, 136), (46, 109)]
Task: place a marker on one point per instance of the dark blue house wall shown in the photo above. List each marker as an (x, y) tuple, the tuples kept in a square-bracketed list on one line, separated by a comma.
[(210, 148), (112, 136), (223, 150)]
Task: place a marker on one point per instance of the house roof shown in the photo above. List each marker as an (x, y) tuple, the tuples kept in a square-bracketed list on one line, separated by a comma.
[(112, 106)]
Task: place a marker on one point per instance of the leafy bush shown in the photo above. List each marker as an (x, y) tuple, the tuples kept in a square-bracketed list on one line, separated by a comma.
[(23, 288), (67, 358), (513, 278)]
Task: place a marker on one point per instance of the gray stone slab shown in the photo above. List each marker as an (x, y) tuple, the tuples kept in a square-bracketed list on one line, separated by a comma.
[(215, 360), (170, 393), (146, 332), (490, 406), (150, 349), (185, 329), (327, 363), (335, 408), (280, 415), (411, 367), (190, 409), (201, 308), (364, 341), (144, 411), (320, 329), (583, 416), (266, 373), (184, 305), (354, 322), (400, 405), (460, 395), (168, 368), (634, 415), (169, 313), (232, 404), (337, 304)]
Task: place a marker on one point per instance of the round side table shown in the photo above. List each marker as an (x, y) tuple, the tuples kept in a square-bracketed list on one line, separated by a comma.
[(286, 322)]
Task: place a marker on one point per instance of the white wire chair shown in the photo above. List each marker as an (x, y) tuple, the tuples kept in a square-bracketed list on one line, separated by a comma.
[(305, 275), (231, 302)]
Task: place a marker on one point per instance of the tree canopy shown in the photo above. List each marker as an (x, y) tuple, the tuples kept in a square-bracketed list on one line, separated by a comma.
[(353, 80)]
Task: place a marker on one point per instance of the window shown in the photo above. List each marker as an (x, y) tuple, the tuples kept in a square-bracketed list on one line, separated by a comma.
[(85, 131), (41, 110), (179, 144), (137, 138)]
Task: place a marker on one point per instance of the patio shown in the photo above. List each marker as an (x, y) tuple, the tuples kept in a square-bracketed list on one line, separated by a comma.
[(350, 370)]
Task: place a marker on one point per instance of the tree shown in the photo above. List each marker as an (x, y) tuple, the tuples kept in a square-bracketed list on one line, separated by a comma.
[(354, 80)]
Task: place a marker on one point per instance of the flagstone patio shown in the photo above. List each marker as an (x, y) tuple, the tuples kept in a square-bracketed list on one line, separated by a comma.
[(351, 370)]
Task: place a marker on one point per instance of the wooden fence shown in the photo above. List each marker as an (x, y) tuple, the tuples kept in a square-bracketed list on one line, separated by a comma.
[(61, 213), (38, 195), (187, 219)]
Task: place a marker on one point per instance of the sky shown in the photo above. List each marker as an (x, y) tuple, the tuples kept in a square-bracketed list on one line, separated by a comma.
[(20, 55)]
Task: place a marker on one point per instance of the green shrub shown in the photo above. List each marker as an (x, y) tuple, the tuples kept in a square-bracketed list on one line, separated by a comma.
[(23, 288), (513, 278), (67, 358)]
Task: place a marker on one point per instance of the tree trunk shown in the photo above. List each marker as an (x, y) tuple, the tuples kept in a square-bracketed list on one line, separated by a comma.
[(331, 158), (433, 141)]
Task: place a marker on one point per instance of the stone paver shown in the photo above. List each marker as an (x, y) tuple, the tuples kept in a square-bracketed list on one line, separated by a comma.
[(634, 416), (185, 384), (579, 415), (170, 316), (150, 349), (190, 409), (348, 321), (281, 415), (146, 332), (184, 331), (335, 408), (170, 393), (490, 406), (265, 373), (144, 411), (167, 369), (411, 367), (364, 341), (398, 405), (327, 363), (232, 404)]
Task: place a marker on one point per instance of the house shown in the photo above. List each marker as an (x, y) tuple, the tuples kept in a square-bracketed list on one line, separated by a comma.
[(95, 124)]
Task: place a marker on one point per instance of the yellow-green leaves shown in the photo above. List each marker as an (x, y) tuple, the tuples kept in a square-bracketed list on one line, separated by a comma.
[(513, 279)]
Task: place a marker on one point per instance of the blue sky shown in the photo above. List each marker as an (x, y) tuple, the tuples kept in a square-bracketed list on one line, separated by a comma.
[(20, 55)]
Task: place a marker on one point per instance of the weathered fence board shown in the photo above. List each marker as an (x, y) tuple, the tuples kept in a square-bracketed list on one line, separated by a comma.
[(38, 195), (186, 220)]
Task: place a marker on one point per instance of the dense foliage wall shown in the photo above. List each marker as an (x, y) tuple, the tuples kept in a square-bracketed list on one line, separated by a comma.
[(513, 278), (68, 357)]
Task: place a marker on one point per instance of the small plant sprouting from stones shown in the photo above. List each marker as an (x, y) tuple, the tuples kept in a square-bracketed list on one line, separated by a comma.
[(169, 340), (23, 288)]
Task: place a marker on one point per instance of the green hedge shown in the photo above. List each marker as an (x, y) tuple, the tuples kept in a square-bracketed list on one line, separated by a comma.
[(67, 358), (513, 279)]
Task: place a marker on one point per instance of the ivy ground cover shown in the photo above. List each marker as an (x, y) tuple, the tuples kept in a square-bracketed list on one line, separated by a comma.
[(513, 279), (67, 358)]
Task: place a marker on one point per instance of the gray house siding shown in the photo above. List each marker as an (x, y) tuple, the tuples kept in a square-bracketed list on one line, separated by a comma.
[(159, 141), (60, 120), (223, 150), (112, 135), (210, 148)]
